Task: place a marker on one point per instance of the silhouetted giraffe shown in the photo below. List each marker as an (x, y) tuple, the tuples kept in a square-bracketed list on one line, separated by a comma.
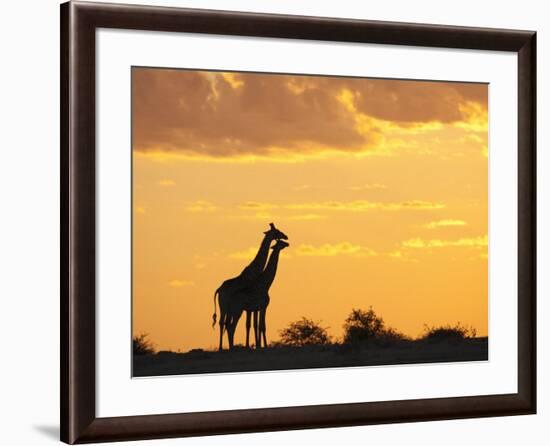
[(255, 299), (249, 274)]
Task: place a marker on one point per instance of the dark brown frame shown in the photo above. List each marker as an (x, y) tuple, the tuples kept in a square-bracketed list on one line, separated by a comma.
[(79, 21)]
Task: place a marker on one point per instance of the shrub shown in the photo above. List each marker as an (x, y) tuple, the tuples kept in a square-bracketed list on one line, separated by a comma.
[(304, 332), (141, 345), (362, 325), (456, 332), (391, 336)]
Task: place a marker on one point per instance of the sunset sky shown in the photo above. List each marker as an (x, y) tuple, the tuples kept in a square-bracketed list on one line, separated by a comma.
[(380, 185)]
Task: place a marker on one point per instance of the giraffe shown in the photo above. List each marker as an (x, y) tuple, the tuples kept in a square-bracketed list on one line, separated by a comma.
[(250, 273), (254, 299)]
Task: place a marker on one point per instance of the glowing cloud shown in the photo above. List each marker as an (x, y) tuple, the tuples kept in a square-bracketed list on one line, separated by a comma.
[(306, 217), (365, 206), (201, 206), (262, 215), (238, 115), (247, 254), (262, 209), (373, 186), (445, 223), (257, 206), (330, 250), (401, 256), (418, 243), (256, 216)]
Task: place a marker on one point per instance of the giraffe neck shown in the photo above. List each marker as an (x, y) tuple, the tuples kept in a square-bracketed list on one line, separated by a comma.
[(255, 268), (268, 276)]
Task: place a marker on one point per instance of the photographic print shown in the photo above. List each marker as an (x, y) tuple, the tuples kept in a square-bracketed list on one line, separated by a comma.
[(303, 200), (287, 221)]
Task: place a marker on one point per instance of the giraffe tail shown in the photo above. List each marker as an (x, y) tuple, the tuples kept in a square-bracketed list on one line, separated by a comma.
[(215, 316)]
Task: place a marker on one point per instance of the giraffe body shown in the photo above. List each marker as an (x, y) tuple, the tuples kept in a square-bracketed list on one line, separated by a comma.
[(230, 287), (254, 299)]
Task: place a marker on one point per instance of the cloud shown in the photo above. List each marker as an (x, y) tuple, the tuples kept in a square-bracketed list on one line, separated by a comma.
[(275, 211), (177, 283), (401, 256), (200, 262), (256, 216), (167, 183), (247, 254), (201, 206), (306, 250), (337, 249), (257, 206), (477, 117), (418, 243), (372, 186), (445, 223), (207, 115), (365, 206), (202, 114), (413, 102), (262, 215), (313, 210), (306, 217), (264, 210)]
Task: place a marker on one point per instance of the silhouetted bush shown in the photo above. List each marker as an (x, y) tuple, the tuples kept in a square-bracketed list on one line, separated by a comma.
[(451, 333), (362, 326), (304, 332), (391, 336), (141, 345)]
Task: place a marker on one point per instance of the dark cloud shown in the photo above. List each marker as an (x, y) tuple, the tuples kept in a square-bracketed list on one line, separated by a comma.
[(210, 114), (413, 102)]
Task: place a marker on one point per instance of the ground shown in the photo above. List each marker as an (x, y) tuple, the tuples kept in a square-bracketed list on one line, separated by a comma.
[(315, 356)]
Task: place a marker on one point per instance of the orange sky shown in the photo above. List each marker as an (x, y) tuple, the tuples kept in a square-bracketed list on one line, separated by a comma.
[(381, 186)]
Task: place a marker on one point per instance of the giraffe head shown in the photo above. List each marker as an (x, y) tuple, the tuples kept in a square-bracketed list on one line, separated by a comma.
[(279, 245), (274, 233)]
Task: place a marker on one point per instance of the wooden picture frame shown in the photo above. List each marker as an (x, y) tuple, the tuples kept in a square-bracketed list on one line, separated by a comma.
[(79, 22)]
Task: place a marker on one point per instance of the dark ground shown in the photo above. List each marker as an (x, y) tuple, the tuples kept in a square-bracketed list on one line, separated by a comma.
[(315, 356)]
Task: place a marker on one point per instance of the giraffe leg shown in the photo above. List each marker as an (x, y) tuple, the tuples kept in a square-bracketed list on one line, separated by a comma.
[(248, 329), (262, 327), (222, 325), (234, 320), (256, 332), (230, 332)]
